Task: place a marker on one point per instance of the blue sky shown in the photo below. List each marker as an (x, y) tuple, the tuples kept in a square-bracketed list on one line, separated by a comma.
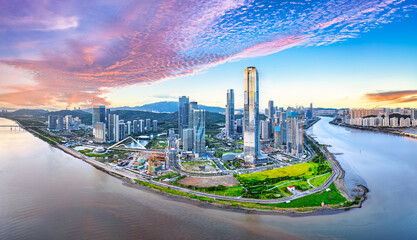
[(344, 53), (335, 75)]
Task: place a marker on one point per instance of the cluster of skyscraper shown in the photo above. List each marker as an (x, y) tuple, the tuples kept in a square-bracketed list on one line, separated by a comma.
[(107, 127), (282, 128), (60, 123), (381, 117), (191, 126)]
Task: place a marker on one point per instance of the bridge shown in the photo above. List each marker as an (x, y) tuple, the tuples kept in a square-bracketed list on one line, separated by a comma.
[(121, 143), (9, 126)]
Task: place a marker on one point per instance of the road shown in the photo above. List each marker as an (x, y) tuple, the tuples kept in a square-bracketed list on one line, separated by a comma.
[(130, 175)]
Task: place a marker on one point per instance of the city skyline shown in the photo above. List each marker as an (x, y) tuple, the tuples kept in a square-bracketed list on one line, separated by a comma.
[(345, 54)]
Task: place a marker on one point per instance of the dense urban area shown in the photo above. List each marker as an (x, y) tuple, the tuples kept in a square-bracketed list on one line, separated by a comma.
[(235, 156)]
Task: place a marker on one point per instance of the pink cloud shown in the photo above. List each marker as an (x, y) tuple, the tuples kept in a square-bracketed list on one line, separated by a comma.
[(147, 41)]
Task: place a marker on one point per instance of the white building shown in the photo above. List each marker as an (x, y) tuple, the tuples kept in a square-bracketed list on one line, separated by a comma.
[(99, 132)]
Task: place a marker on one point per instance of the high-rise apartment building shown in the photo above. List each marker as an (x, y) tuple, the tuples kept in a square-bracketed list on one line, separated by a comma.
[(230, 113), (183, 114), (135, 126), (294, 138), (129, 128), (148, 125), (251, 134), (141, 126), (122, 130), (155, 125)]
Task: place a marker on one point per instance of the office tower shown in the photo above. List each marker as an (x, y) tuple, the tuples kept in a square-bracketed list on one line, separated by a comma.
[(107, 116), (183, 114), (271, 109), (99, 132), (239, 126), (277, 136), (300, 139), (135, 126), (69, 123), (60, 123), (193, 106), (141, 126), (172, 139), (148, 125), (99, 114), (129, 128), (187, 142), (52, 122), (113, 128), (251, 134), (155, 125), (122, 130), (265, 129), (230, 113), (309, 113), (291, 131), (199, 132)]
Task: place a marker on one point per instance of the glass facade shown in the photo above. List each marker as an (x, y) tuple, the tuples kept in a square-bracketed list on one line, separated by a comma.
[(230, 113), (251, 134)]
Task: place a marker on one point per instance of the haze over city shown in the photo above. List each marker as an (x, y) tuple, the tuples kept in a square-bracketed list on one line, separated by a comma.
[(333, 53)]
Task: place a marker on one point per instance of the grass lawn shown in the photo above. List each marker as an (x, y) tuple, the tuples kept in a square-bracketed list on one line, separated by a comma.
[(235, 191), (301, 185), (318, 181), (304, 169), (314, 200)]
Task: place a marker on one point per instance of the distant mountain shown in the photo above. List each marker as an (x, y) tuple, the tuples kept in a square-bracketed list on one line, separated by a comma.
[(130, 115), (163, 107), (43, 114), (29, 112)]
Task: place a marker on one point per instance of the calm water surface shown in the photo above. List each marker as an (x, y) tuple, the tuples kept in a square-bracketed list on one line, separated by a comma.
[(47, 194)]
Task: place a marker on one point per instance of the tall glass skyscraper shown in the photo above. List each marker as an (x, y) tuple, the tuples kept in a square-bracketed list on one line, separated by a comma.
[(230, 113), (251, 134), (271, 109), (183, 113), (99, 114), (199, 127), (193, 106), (113, 133)]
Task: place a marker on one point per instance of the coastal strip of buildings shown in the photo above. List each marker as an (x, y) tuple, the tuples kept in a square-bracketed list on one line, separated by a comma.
[(381, 117)]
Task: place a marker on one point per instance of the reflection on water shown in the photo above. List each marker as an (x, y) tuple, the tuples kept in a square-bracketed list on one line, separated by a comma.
[(46, 194)]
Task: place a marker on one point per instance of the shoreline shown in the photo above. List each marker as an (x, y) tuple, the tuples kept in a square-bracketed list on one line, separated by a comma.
[(226, 203)]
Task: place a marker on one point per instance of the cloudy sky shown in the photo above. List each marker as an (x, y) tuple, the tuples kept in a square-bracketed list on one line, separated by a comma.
[(334, 53)]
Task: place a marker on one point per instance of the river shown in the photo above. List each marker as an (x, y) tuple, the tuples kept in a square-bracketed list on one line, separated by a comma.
[(47, 194)]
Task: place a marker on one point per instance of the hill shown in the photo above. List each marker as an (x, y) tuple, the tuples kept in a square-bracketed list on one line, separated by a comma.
[(163, 107)]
